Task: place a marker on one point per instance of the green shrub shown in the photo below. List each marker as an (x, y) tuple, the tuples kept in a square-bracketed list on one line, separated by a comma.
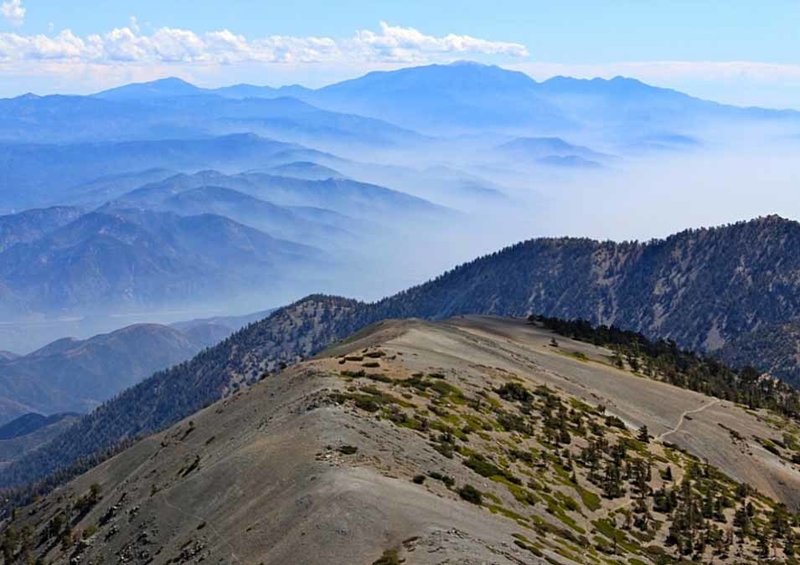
[(471, 494), (389, 557), (446, 479), (514, 391)]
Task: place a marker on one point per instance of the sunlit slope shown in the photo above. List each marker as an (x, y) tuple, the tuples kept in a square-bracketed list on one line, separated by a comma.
[(471, 441)]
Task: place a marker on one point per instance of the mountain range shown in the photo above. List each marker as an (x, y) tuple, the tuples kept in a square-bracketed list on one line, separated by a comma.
[(130, 199), (112, 258), (660, 288), (173, 124), (559, 400), (466, 96), (194, 238)]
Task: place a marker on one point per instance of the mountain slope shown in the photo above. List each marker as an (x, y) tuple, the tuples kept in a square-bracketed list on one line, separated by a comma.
[(36, 173), (305, 170), (549, 150), (17, 441), (31, 225), (347, 198), (699, 287), (174, 109), (278, 221), (776, 346), (99, 191), (461, 96), (28, 424), (77, 375), (162, 88), (123, 258), (469, 96), (629, 284), (471, 441), (285, 337)]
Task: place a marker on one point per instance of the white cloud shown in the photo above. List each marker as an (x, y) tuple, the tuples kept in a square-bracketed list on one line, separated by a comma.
[(13, 11), (392, 44), (405, 44)]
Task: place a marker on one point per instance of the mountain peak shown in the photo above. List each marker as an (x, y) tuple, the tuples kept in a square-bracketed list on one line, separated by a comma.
[(163, 87), (432, 78), (170, 81), (774, 219)]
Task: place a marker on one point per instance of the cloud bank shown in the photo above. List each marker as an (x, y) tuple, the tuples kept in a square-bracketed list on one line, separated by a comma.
[(13, 12), (391, 44)]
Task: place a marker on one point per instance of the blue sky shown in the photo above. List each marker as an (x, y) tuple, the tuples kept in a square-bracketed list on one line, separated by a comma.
[(734, 51)]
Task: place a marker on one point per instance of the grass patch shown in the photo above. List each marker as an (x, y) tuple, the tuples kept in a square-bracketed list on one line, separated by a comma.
[(590, 500), (510, 514), (606, 528), (389, 557)]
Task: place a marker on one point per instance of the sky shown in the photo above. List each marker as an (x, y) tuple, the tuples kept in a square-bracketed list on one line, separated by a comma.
[(745, 53)]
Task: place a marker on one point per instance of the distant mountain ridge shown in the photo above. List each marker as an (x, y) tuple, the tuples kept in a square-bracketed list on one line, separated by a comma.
[(382, 108), (467, 95), (198, 235), (551, 150), (29, 423), (72, 375), (32, 171), (110, 258), (30, 225)]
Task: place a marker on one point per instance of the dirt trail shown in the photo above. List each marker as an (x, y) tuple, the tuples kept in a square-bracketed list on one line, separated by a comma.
[(683, 418)]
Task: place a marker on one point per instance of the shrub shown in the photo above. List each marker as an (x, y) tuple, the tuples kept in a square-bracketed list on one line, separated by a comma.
[(389, 557), (470, 494), (446, 479), (485, 468), (514, 391)]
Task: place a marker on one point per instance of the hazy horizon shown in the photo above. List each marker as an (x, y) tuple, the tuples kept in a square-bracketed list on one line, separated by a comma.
[(714, 50), (554, 71)]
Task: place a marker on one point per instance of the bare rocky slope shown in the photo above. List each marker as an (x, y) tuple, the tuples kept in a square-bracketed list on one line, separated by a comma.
[(476, 440)]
